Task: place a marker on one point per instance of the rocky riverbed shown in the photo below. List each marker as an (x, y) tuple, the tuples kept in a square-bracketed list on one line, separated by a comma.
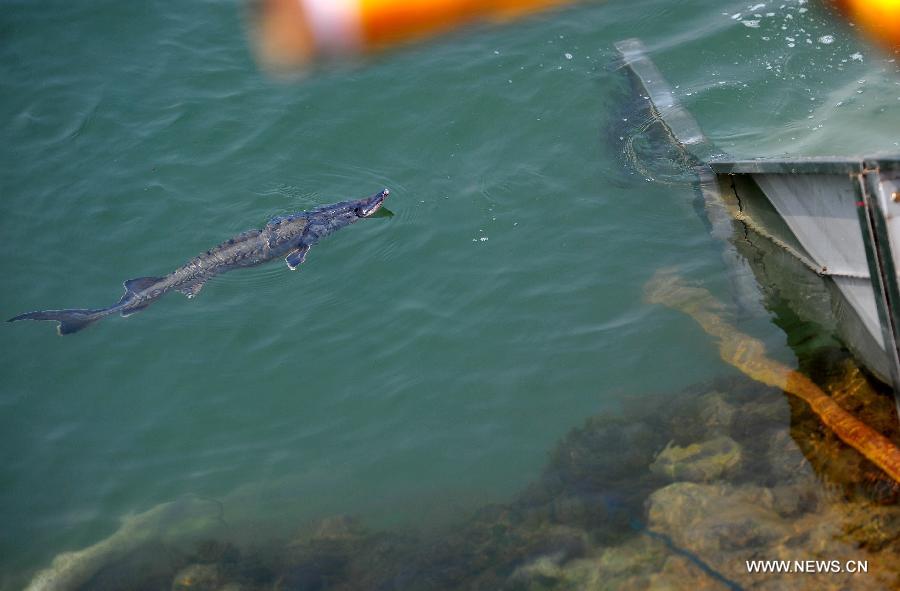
[(679, 496)]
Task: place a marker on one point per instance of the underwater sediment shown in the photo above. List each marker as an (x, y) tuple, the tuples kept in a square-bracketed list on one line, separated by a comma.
[(672, 491), (676, 498)]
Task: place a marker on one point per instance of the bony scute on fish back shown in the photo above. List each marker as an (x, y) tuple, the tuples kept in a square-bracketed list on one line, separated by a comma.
[(290, 237)]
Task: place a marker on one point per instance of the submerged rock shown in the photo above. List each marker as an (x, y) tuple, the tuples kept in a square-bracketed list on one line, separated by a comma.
[(602, 454), (699, 462), (724, 526), (784, 460), (710, 518), (677, 574), (543, 573), (321, 558), (214, 551), (597, 477), (344, 528), (163, 523), (198, 577), (716, 413), (615, 509), (604, 569), (640, 554), (642, 562)]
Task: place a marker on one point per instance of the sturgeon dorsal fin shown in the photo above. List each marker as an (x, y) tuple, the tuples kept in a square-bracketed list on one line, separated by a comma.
[(140, 284), (133, 286), (192, 289)]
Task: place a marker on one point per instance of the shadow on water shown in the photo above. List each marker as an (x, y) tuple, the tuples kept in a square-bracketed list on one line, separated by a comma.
[(637, 138)]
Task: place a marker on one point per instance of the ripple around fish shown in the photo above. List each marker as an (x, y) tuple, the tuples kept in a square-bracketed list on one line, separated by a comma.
[(264, 280)]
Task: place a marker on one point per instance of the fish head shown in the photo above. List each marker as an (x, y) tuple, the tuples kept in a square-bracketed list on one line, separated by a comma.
[(330, 218), (368, 206)]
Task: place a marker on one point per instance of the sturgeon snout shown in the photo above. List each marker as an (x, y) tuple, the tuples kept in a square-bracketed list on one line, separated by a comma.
[(372, 204)]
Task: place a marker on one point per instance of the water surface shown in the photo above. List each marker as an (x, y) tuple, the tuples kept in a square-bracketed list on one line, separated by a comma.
[(417, 367)]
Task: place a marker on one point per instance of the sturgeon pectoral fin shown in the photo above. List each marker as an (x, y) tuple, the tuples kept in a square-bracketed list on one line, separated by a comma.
[(192, 289), (296, 257)]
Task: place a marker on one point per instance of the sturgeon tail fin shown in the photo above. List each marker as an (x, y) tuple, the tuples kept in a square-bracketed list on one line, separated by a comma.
[(74, 320), (69, 320)]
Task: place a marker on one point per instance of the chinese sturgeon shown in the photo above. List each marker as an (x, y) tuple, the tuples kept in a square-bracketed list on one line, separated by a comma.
[(290, 237)]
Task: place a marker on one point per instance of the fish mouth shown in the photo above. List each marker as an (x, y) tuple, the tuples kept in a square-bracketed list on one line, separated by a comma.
[(372, 204)]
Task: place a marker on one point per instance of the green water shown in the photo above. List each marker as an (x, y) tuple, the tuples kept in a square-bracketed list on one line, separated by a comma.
[(418, 366)]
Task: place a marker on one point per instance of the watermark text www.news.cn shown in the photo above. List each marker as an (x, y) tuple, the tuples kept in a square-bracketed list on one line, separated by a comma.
[(807, 566)]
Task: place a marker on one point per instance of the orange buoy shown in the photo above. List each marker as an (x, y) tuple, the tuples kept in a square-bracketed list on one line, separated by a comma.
[(290, 34), (879, 19)]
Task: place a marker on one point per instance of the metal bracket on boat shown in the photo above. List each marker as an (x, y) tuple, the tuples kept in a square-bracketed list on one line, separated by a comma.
[(876, 215)]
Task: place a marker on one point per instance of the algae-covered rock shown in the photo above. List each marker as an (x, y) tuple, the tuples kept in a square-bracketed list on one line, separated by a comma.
[(677, 574), (716, 413), (198, 577), (340, 527), (604, 452), (797, 498), (877, 527), (709, 518), (318, 559), (644, 561), (786, 462), (724, 526), (699, 462), (164, 523), (639, 553), (580, 526), (701, 413), (597, 477), (215, 551), (604, 570), (542, 573)]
